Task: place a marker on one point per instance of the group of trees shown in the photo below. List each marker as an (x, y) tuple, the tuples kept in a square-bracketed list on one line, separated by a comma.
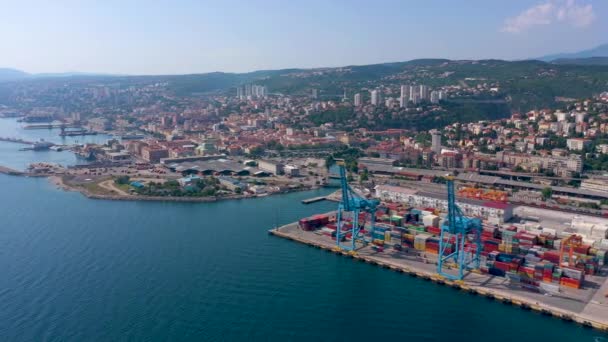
[(350, 155), (204, 187)]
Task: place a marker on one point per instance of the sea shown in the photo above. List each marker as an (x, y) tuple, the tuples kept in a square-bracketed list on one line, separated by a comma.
[(78, 269)]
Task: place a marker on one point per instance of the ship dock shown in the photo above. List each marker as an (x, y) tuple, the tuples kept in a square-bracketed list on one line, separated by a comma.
[(9, 171), (588, 307), (314, 200)]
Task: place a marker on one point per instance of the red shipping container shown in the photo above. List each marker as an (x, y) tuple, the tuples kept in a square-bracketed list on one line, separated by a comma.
[(584, 249), (551, 256), (502, 266), (433, 230)]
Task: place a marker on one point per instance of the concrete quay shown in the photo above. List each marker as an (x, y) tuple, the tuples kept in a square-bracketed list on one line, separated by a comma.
[(587, 307), (9, 171)]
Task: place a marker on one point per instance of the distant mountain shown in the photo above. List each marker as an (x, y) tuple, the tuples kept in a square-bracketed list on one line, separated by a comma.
[(72, 74), (7, 74), (599, 51), (582, 61)]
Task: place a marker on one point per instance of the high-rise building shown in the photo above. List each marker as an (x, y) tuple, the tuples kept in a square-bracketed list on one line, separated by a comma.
[(415, 98), (247, 90), (403, 101), (412, 92), (405, 91), (424, 92), (239, 92), (76, 116), (376, 97), (443, 95), (357, 100), (315, 93), (434, 96), (436, 141)]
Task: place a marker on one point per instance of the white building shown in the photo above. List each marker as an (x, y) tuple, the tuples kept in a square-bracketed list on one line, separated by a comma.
[(403, 101), (376, 97), (424, 92), (413, 92), (389, 102), (271, 166), (357, 100), (577, 144), (405, 91), (580, 117), (415, 98), (434, 96), (443, 95), (292, 170)]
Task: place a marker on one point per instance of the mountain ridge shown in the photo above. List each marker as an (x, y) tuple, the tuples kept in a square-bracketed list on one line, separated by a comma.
[(598, 51)]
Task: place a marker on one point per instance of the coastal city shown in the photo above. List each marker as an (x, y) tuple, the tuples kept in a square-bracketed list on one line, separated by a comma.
[(273, 171), (535, 179), (253, 142)]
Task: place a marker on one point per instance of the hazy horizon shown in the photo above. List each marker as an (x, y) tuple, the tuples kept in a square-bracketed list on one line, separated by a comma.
[(190, 37)]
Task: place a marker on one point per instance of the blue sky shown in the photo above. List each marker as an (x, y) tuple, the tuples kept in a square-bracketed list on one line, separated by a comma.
[(175, 37)]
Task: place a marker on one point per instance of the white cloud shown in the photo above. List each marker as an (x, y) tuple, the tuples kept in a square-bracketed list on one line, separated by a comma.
[(568, 12)]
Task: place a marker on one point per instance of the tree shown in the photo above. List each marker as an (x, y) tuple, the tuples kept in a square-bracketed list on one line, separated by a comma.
[(122, 180), (547, 192), (329, 161), (364, 176)]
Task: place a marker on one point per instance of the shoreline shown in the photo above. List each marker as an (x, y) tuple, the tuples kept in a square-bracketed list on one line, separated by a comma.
[(58, 181)]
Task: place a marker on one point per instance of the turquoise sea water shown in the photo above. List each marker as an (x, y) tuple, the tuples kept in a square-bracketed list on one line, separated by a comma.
[(75, 269)]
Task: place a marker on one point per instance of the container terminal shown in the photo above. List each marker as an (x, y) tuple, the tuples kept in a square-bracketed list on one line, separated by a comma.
[(558, 272)]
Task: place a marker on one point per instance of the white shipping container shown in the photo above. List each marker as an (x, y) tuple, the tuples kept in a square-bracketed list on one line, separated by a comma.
[(431, 220), (557, 244), (572, 273)]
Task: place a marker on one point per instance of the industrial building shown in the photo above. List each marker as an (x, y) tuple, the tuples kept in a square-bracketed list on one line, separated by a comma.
[(273, 167), (492, 212)]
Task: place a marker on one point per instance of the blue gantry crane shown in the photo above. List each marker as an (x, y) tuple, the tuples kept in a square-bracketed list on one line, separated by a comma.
[(454, 232), (352, 204)]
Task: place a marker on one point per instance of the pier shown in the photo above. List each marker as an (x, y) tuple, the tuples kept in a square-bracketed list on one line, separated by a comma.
[(9, 171), (314, 200), (590, 314), (17, 141), (50, 126)]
